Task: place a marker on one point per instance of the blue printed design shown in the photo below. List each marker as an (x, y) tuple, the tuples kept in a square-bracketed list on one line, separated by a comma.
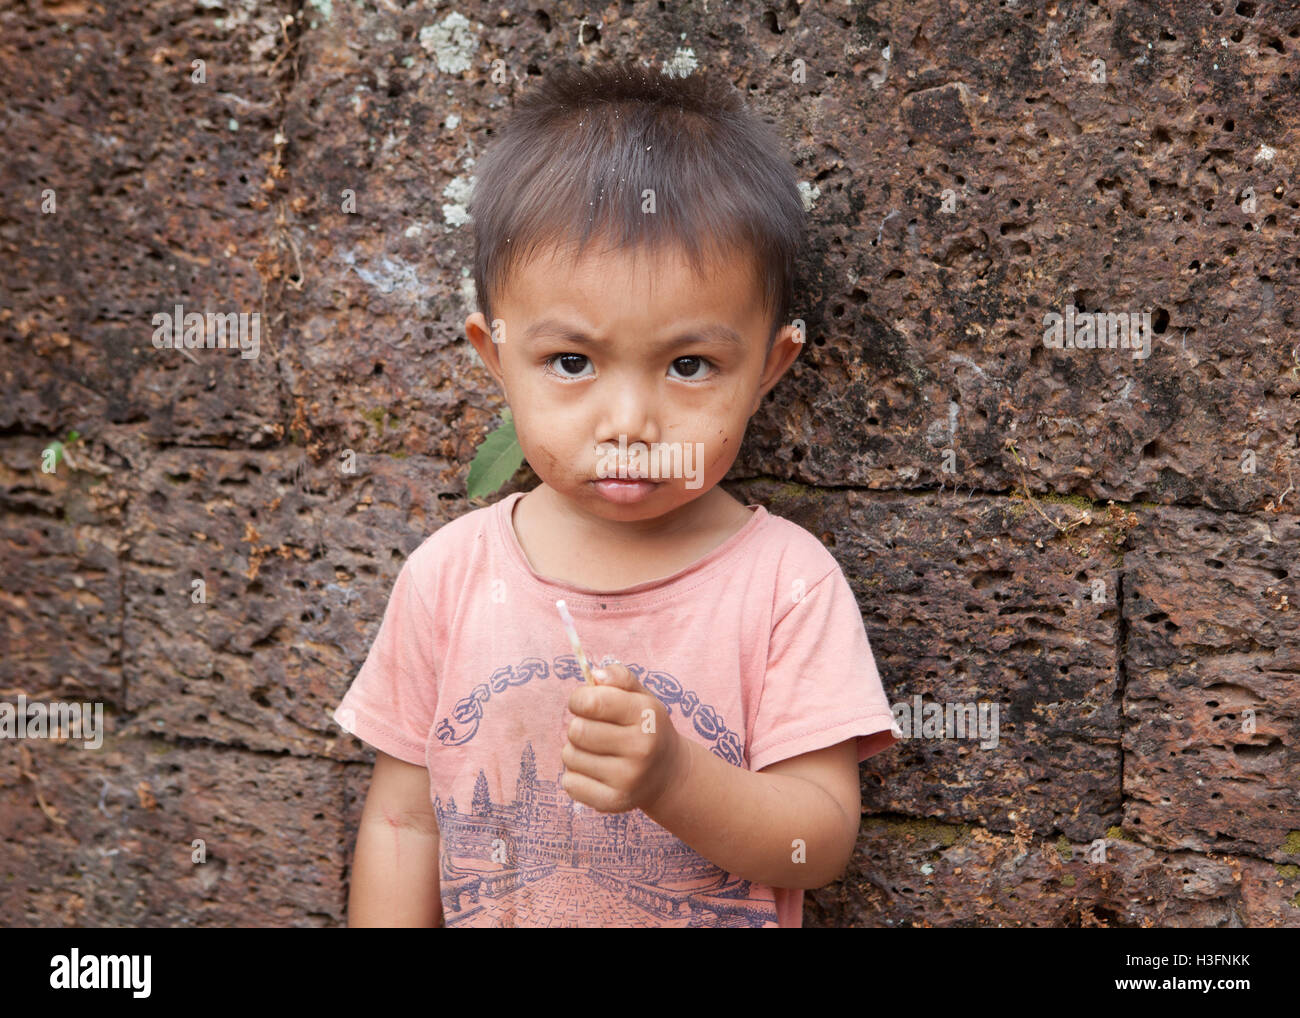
[(543, 859), (538, 861), (706, 721)]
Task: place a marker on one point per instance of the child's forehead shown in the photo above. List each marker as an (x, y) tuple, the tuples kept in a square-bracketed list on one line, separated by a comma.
[(561, 270)]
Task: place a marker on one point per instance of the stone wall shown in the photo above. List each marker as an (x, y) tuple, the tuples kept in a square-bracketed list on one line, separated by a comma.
[(1101, 544)]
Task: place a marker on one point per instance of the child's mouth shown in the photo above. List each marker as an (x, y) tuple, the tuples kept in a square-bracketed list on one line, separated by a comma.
[(625, 492)]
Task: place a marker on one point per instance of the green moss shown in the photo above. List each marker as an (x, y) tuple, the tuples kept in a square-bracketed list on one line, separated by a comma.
[(1296, 901), (1119, 834), (928, 830), (1064, 849), (1288, 872), (379, 418), (1077, 501), (1020, 505), (1068, 880), (791, 490), (784, 491), (1291, 846)]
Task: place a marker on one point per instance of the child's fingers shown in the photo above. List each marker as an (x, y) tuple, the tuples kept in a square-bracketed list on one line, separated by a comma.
[(618, 675), (602, 663), (608, 659)]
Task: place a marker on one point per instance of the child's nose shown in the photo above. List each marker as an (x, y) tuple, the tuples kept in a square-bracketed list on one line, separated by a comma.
[(629, 402)]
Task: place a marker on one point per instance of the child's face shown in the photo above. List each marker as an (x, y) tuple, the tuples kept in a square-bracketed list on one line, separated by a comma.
[(620, 317)]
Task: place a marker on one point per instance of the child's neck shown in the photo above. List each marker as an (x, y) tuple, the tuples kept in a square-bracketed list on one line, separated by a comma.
[(572, 547)]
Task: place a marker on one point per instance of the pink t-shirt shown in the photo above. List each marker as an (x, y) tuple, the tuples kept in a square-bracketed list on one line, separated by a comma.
[(757, 649)]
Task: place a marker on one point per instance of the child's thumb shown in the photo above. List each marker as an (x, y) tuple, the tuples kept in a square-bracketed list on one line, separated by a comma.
[(611, 672)]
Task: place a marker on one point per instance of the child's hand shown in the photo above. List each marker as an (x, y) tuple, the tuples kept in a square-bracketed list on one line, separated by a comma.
[(622, 751)]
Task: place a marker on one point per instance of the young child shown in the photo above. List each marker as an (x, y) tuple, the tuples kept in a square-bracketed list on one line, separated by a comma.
[(636, 237)]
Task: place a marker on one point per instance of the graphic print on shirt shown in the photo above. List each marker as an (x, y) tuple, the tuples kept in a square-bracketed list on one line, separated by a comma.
[(533, 856)]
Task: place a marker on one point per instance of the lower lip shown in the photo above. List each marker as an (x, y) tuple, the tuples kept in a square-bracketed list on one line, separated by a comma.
[(625, 492)]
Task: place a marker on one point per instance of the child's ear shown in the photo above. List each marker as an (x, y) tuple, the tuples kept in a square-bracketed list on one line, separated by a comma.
[(480, 337), (785, 348), (476, 328)]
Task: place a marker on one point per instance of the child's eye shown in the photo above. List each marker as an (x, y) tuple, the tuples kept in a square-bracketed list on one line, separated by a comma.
[(569, 360), (691, 368)]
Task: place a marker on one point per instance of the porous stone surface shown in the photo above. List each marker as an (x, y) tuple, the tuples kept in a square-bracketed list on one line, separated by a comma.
[(969, 601), (146, 832), (1101, 545), (256, 583), (1212, 744)]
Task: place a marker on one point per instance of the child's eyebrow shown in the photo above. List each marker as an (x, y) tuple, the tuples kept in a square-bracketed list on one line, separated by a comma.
[(555, 329)]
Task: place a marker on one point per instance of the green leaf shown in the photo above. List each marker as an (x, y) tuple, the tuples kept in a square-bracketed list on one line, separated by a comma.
[(496, 461)]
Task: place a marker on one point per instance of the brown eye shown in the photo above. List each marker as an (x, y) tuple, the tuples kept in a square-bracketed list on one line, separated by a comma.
[(690, 368), (570, 362)]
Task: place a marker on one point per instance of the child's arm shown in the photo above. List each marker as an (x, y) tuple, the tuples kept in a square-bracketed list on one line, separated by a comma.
[(395, 871), (792, 824)]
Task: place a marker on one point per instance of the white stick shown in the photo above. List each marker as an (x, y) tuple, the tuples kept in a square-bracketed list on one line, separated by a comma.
[(572, 633)]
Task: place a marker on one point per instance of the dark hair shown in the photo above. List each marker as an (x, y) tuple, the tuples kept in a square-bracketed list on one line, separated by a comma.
[(572, 162)]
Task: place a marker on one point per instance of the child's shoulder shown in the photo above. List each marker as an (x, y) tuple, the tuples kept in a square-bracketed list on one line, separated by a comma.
[(452, 542), (796, 549)]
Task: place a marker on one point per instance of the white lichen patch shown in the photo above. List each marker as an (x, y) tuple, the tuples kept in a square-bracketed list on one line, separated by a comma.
[(456, 211), (682, 63), (452, 42), (326, 8), (387, 275), (468, 293), (809, 193)]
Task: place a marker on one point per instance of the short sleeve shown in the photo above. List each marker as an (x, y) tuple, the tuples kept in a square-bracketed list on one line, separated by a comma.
[(821, 686), (393, 699)]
